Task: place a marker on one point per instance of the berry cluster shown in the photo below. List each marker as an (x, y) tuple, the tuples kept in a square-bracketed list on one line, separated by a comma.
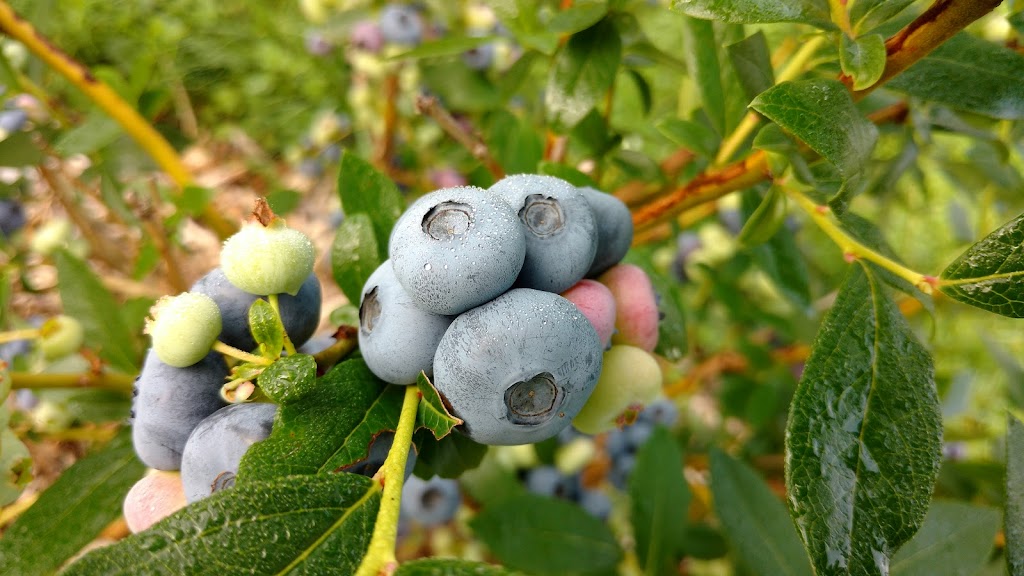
[(486, 291)]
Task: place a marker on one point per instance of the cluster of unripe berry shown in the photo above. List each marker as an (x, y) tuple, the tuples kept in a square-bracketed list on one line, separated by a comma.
[(487, 292)]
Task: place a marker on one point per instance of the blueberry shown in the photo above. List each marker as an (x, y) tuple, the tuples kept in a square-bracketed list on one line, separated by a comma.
[(169, 403), (211, 456), (300, 314), (401, 24), (561, 233), (366, 35), (378, 451), (12, 120), (479, 57), (431, 502), (397, 338), (622, 468), (661, 412), (596, 503), (12, 217), (614, 229), (457, 248), (317, 44), (518, 369), (548, 481), (638, 434)]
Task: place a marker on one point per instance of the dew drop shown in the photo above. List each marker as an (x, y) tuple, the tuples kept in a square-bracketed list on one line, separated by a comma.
[(426, 266)]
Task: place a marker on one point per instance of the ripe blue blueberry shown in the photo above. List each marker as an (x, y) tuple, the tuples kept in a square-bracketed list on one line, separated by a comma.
[(614, 229), (213, 451), (518, 369), (661, 412), (595, 502), (169, 403), (431, 502), (457, 248), (549, 481), (397, 338), (401, 24), (12, 120), (300, 314), (479, 57), (561, 233), (12, 217)]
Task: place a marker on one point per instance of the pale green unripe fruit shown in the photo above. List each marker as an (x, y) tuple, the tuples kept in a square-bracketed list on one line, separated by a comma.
[(184, 328), (263, 260), (630, 376), (60, 337)]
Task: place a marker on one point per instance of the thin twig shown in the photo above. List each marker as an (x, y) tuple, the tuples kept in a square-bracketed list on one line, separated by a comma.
[(430, 106)]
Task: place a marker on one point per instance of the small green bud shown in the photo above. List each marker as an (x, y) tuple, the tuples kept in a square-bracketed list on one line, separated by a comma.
[(184, 328), (266, 257), (60, 337)]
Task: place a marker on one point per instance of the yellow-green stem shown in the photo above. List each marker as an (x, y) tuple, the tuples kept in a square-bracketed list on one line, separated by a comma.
[(822, 216), (241, 354), (22, 334), (276, 305), (103, 380), (793, 68), (841, 16), (380, 556)]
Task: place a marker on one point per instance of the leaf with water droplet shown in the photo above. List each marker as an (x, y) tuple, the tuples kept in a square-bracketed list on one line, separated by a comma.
[(583, 71), (450, 567), (325, 520), (758, 11), (1013, 516), (432, 413), (990, 274), (863, 443), (355, 255)]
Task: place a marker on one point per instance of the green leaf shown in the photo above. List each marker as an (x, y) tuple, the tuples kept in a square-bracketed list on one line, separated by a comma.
[(448, 457), (432, 413), (18, 151), (780, 258), (752, 62), (755, 520), (448, 567), (542, 536), (329, 427), (582, 73), (971, 74), (86, 299), (581, 15), (446, 46), (98, 131), (282, 201), (863, 59), (15, 463), (193, 199), (813, 12), (567, 173), (1013, 515), (766, 219), (700, 51), (869, 14), (822, 114), (461, 88), (693, 135), (863, 442), (661, 499), (988, 275), (355, 254), (294, 524), (515, 144), (956, 539), (364, 190), (266, 328), (72, 512), (289, 379)]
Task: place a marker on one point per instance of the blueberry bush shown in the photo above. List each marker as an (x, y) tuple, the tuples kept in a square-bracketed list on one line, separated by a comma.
[(545, 287)]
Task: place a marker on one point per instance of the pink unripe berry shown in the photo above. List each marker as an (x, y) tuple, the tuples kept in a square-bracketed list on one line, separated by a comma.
[(636, 307), (154, 497), (597, 303)]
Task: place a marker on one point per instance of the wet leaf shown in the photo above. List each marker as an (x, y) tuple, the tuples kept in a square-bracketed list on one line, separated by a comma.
[(693, 135), (1013, 515), (582, 73), (955, 539), (289, 379), (364, 190), (355, 254), (449, 567), (989, 274), (814, 12), (863, 443), (448, 457), (432, 413), (266, 328), (863, 59), (293, 524), (869, 14), (751, 59)]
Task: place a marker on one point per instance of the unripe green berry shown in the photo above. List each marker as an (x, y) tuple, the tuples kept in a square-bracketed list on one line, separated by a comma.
[(630, 377), (60, 337), (184, 328), (271, 259)]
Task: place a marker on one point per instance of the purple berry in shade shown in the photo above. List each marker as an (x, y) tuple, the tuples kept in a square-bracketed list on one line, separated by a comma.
[(169, 403), (661, 412), (366, 36), (638, 434), (401, 24), (12, 120), (311, 168), (596, 502), (330, 154), (12, 217), (447, 178), (614, 229), (317, 44), (479, 57), (25, 399), (548, 481), (622, 468), (215, 448), (431, 502), (300, 314)]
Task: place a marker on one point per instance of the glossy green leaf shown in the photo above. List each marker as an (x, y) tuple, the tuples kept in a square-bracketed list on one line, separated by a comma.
[(1017, 21), (289, 379), (266, 328), (448, 457), (432, 413), (660, 500), (582, 73), (445, 46), (355, 254), (988, 275), (567, 173), (752, 61), (863, 59), (329, 427), (1013, 514), (780, 258), (295, 524), (542, 536), (700, 51), (521, 18), (822, 114), (863, 442), (757, 11), (579, 16), (693, 135), (86, 299), (72, 512), (364, 190), (513, 142), (970, 74), (956, 539), (461, 88), (866, 15), (766, 219), (450, 567), (755, 520)]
